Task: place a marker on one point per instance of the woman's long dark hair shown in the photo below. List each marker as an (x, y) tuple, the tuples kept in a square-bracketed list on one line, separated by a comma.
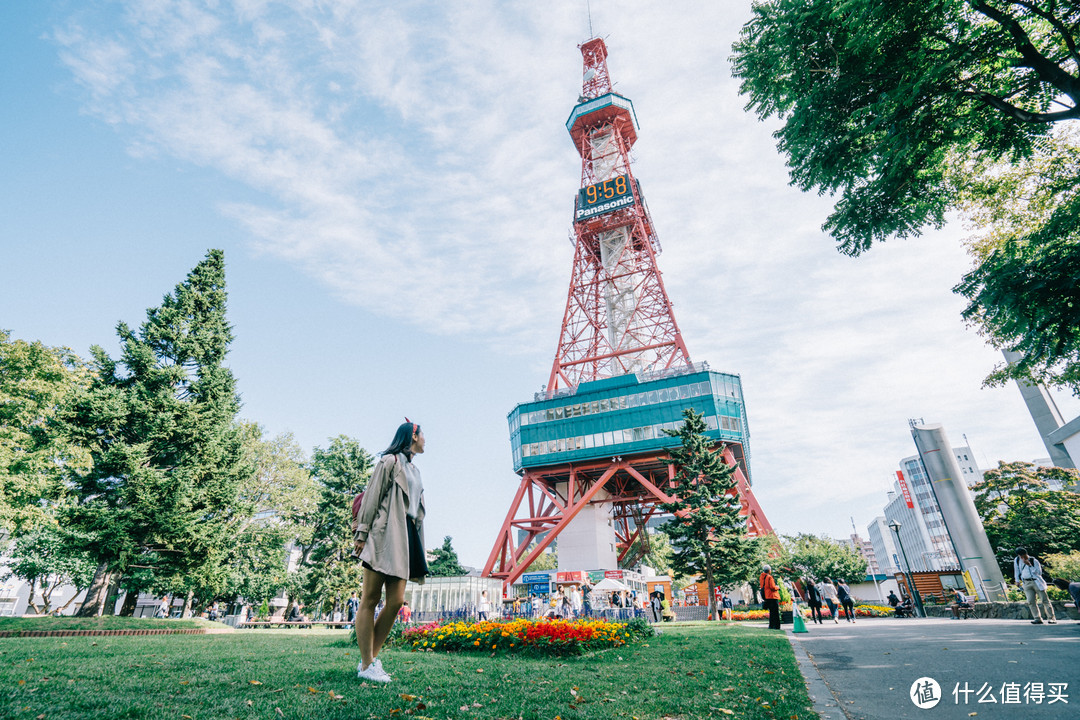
[(402, 440)]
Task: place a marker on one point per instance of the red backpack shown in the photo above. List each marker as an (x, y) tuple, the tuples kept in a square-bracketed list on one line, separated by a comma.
[(357, 499)]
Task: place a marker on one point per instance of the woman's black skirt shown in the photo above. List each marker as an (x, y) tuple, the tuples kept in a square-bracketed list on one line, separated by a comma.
[(417, 562)]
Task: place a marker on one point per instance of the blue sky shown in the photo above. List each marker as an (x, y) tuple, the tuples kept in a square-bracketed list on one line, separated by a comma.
[(393, 185)]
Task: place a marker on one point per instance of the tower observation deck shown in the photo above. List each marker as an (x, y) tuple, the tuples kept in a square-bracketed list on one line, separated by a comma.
[(591, 448)]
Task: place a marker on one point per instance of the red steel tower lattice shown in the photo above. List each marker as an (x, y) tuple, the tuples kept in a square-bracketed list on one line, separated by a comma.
[(618, 317), (618, 320)]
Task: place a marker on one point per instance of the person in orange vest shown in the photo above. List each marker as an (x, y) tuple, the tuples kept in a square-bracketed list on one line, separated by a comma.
[(771, 595)]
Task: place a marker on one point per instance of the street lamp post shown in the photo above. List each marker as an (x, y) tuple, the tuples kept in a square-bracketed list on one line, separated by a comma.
[(895, 527)]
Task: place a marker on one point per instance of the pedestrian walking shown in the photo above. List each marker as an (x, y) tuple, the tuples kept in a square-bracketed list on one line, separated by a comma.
[(389, 539), (771, 594), (813, 599), (828, 593), (844, 593), (352, 605), (484, 608), (655, 606), (727, 607), (1027, 571)]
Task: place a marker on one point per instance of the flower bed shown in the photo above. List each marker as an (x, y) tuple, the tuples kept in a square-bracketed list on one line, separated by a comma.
[(548, 637), (860, 611)]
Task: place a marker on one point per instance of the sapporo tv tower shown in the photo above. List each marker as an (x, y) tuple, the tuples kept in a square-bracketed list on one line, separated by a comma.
[(590, 449)]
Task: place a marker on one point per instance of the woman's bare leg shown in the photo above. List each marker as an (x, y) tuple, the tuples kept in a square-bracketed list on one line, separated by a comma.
[(365, 616), (395, 595)]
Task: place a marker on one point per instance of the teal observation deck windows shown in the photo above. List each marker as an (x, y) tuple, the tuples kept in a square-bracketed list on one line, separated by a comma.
[(626, 415)]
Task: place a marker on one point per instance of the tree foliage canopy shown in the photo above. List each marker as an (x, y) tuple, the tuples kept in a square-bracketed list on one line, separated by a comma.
[(36, 382), (160, 426), (907, 109), (817, 557), (444, 561), (328, 573), (1019, 510), (707, 531)]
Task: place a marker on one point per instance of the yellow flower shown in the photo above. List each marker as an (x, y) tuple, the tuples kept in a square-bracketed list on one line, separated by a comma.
[(477, 643)]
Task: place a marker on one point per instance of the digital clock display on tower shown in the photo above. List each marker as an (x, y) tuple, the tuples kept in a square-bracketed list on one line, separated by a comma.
[(604, 197)]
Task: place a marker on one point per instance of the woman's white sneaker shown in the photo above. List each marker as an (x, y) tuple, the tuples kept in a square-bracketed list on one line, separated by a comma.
[(373, 672)]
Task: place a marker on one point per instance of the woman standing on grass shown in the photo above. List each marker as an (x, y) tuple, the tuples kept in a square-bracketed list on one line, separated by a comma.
[(389, 540)]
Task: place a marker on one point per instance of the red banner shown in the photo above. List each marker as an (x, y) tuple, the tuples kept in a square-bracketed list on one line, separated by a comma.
[(567, 577), (904, 489), (613, 574)]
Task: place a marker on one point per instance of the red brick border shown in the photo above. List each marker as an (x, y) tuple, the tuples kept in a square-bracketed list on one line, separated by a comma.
[(85, 633)]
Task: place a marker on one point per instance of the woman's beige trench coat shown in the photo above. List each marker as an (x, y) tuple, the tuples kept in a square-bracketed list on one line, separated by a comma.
[(380, 524)]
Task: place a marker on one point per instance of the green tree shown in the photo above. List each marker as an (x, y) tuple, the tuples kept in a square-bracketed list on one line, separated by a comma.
[(817, 557), (272, 509), (35, 383), (444, 562), (1064, 565), (1018, 509), (48, 557), (167, 455), (707, 531), (907, 110), (547, 560), (658, 558), (327, 573)]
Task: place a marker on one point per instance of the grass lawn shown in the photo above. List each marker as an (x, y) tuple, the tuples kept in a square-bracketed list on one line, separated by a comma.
[(693, 670), (105, 622)]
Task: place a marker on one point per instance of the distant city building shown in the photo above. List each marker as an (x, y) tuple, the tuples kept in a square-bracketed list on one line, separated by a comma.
[(883, 541), (865, 549)]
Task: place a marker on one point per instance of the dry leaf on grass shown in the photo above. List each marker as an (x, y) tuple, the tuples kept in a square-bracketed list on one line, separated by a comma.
[(254, 682)]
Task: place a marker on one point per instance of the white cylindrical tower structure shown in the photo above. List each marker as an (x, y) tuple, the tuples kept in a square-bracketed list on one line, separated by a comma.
[(958, 510)]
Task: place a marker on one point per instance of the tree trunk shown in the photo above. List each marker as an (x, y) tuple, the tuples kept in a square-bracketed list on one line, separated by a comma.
[(46, 595), (60, 610), (110, 597), (31, 603), (710, 583), (186, 612), (131, 599), (95, 594)]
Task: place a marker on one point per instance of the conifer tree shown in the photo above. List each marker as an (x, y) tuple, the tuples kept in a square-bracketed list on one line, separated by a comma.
[(160, 425), (444, 561), (707, 533)]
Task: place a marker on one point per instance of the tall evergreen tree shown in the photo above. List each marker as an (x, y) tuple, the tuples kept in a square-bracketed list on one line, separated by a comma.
[(707, 533), (160, 425)]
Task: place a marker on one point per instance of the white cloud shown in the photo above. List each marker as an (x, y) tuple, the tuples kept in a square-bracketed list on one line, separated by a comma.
[(418, 151)]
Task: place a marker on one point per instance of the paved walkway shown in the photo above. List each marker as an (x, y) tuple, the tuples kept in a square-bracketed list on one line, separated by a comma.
[(866, 670)]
